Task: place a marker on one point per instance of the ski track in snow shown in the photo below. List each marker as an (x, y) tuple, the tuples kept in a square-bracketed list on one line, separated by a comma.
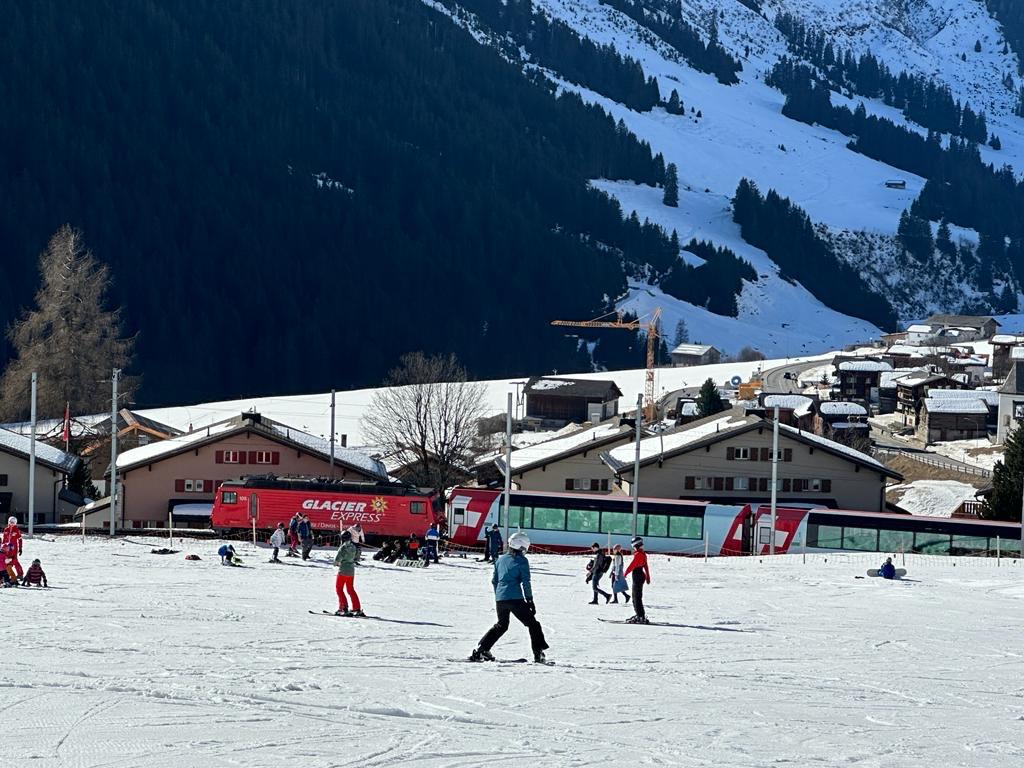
[(156, 661)]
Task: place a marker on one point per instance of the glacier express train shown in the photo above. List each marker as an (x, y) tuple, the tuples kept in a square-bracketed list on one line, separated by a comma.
[(565, 522)]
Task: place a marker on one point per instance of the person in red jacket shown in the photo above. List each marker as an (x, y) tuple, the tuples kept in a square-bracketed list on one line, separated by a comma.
[(641, 575), (12, 540)]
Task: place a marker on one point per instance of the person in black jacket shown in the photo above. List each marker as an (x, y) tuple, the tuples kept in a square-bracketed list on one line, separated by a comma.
[(598, 567)]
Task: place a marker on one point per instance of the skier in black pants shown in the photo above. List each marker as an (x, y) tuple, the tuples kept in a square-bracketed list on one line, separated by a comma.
[(598, 566), (513, 597), (641, 575)]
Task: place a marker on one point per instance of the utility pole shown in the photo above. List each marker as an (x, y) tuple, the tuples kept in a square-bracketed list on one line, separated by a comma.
[(775, 477), (332, 434), (508, 462), (32, 463), (113, 451), (636, 461)]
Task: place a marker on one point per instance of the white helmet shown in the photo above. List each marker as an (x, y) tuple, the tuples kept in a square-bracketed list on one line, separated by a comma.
[(519, 541), (12, 520)]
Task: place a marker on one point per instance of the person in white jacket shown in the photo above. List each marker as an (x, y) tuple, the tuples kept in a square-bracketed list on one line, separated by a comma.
[(277, 540), (358, 537)]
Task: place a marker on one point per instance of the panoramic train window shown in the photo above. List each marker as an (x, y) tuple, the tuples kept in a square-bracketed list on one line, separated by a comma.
[(865, 539), (895, 541), (686, 527), (548, 519), (825, 536), (583, 520), (616, 522), (970, 545), (931, 543), (657, 525), (518, 517)]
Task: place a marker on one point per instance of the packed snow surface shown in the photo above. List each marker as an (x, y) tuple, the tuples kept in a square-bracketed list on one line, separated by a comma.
[(152, 661), (932, 498)]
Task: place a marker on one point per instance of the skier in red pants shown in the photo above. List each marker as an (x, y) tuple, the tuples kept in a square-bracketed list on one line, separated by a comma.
[(12, 541), (344, 584)]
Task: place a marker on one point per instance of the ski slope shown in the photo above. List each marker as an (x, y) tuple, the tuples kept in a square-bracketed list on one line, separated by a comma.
[(147, 661)]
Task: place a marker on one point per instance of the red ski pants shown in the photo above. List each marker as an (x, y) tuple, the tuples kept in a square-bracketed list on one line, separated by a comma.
[(343, 585)]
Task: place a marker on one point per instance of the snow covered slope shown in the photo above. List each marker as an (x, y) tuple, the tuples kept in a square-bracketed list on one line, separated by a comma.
[(741, 132), (155, 662)]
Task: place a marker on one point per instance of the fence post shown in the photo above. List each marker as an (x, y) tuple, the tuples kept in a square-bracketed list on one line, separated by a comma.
[(998, 551), (170, 525), (705, 546)]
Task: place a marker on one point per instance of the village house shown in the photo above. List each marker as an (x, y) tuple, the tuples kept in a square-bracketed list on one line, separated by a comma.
[(133, 430), (695, 354), (842, 421), (52, 503), (555, 402), (794, 410), (920, 334), (185, 471), (957, 415), (727, 458), (909, 356), (969, 327), (1002, 347), (1011, 402), (913, 387), (571, 463), (859, 379)]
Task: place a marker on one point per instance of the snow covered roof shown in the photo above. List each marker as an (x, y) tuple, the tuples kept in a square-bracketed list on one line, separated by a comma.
[(837, 448), (910, 350), (919, 329), (688, 409), (788, 402), (1007, 338), (19, 445), (605, 389), (985, 395), (917, 378), (841, 408), (551, 450), (961, 321), (1017, 353), (955, 405), (849, 425), (864, 366), (692, 349), (146, 454)]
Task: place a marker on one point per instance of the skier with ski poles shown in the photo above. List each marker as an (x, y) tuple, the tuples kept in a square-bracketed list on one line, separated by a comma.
[(641, 575), (344, 583), (513, 596)]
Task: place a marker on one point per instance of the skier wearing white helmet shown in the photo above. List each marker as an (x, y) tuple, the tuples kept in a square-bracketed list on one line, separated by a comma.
[(11, 541), (513, 597)]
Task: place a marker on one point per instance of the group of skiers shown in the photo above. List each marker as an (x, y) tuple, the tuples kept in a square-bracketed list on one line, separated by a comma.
[(12, 547), (603, 562)]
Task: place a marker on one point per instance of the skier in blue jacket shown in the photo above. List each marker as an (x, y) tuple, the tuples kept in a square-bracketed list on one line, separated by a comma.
[(513, 597), (888, 570), (494, 543)]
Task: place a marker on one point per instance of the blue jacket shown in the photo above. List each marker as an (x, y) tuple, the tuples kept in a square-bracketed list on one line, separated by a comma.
[(511, 578), (225, 550), (887, 571), (305, 530), (494, 540)]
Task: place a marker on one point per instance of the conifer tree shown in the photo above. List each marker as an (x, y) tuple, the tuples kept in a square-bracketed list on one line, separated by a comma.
[(682, 335), (671, 196), (709, 401), (944, 240), (1007, 481)]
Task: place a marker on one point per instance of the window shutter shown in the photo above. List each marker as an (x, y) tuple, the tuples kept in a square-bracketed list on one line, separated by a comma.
[(252, 457), (275, 457), (786, 485), (568, 483), (766, 454), (753, 454), (762, 484), (604, 484), (751, 483), (179, 486), (719, 484), (730, 453), (826, 486), (218, 457), (728, 483), (688, 483), (787, 454), (209, 486)]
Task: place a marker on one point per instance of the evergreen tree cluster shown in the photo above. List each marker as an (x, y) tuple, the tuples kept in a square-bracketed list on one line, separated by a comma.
[(666, 21), (922, 100), (554, 44), (1010, 14), (915, 235), (715, 284), (785, 232), (183, 140)]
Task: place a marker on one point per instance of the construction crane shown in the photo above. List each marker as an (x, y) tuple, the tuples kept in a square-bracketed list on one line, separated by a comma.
[(650, 328)]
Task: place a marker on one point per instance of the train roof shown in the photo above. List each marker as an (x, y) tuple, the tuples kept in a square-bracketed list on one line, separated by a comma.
[(325, 484)]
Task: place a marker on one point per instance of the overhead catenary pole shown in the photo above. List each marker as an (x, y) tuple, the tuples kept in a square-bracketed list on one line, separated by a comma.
[(1020, 554), (508, 463), (775, 476), (636, 460), (32, 463), (332, 434), (113, 451)]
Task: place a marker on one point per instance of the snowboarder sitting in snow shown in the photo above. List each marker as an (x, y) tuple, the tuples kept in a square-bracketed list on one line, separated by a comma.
[(888, 570), (412, 547), (34, 576), (513, 596), (348, 554), (277, 540), (227, 554)]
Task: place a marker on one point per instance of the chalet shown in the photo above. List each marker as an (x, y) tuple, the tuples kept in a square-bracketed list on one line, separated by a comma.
[(910, 356), (970, 327), (920, 334), (888, 339), (133, 430), (695, 354), (969, 369), (186, 470), (1003, 345), (571, 463), (859, 379), (728, 459), (685, 411), (913, 387), (957, 415), (794, 410), (842, 421), (557, 402), (1011, 402), (52, 503)]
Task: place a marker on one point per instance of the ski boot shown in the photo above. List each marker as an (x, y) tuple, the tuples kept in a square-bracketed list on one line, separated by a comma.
[(539, 657), (637, 620), (358, 614), (343, 612), (481, 655)]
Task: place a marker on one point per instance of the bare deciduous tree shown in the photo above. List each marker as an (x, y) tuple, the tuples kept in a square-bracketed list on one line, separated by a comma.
[(69, 339), (427, 418)]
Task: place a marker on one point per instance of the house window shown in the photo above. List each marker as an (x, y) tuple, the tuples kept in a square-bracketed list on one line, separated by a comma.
[(189, 486), (814, 485), (232, 457), (264, 457), (740, 484), (3, 480)]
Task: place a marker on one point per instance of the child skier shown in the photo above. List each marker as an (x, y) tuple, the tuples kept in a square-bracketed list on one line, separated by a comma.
[(6, 573), (12, 538), (432, 537), (277, 540), (513, 596), (641, 575), (618, 575), (227, 554), (348, 554), (35, 575)]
